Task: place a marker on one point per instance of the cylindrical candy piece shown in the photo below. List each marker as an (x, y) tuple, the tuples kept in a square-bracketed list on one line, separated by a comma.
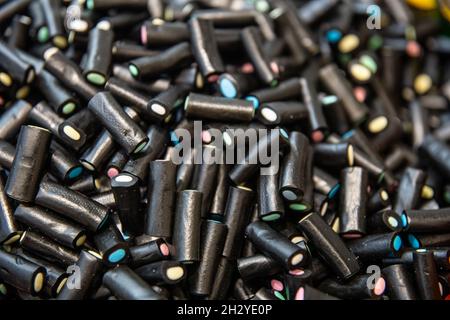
[(353, 201), (125, 284), (329, 246), (237, 215), (21, 273), (124, 130), (199, 106), (29, 162), (9, 233), (13, 118), (99, 53), (110, 243), (80, 283), (399, 283), (334, 80), (51, 225), (426, 275), (213, 239), (161, 192), (72, 204), (274, 244), (149, 252), (128, 197), (186, 233)]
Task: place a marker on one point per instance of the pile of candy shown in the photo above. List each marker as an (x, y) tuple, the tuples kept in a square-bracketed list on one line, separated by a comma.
[(135, 137)]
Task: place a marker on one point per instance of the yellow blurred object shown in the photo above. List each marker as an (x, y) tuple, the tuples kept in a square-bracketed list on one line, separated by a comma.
[(428, 5), (445, 9), (423, 4)]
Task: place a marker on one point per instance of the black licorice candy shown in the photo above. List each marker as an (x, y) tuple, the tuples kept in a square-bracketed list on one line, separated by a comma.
[(237, 215), (29, 161), (44, 116), (51, 10), (167, 60), (63, 165), (162, 194), (72, 204), (162, 272), (307, 292), (128, 95), (399, 283), (437, 152), (353, 202), (409, 190), (329, 246), (426, 275), (9, 231), (213, 238), (153, 85), (205, 177), (311, 12), (294, 168), (125, 284), (99, 53), (58, 97), (317, 122), (116, 163), (275, 245), (98, 152), (77, 129), (376, 246), (305, 205), (356, 288), (205, 48), (300, 31), (247, 168), (334, 154), (295, 279), (223, 279), (257, 266), (388, 141), (68, 73), (432, 240), (139, 165), (55, 276), (51, 225), (18, 69), (121, 127), (149, 252), (127, 195), (282, 113), (325, 183), (168, 33), (265, 69), (385, 221), (9, 9), (164, 104), (199, 106), (187, 226), (43, 246), (111, 245), (270, 203), (21, 273), (90, 266), (378, 200), (331, 76), (219, 198), (428, 221), (234, 84), (13, 118), (286, 90)]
